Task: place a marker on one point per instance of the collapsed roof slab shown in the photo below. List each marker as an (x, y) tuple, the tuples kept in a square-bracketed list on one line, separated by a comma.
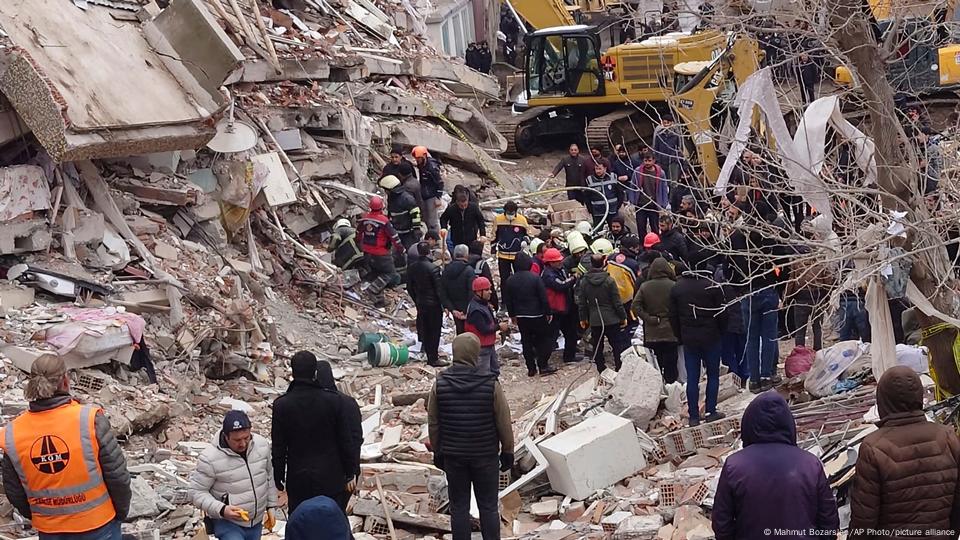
[(91, 86)]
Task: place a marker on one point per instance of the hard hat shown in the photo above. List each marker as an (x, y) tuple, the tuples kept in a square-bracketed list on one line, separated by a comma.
[(602, 246), (420, 151), (575, 242), (376, 203), (534, 246), (342, 222), (650, 240), (481, 284), (389, 182), (552, 255), (584, 228)]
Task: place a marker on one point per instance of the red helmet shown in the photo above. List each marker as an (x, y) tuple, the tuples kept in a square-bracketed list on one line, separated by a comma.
[(552, 255), (481, 284), (650, 240), (420, 151), (376, 203)]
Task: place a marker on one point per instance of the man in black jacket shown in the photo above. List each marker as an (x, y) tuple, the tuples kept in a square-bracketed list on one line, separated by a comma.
[(464, 219), (423, 284), (526, 300), (305, 463), (698, 321), (471, 436), (671, 239), (404, 170), (351, 415), (457, 284), (431, 186)]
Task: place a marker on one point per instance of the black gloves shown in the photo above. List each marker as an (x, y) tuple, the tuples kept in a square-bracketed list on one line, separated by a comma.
[(506, 462), (438, 460)]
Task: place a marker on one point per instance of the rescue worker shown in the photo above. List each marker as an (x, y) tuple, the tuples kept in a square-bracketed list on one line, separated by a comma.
[(560, 285), (403, 211), (602, 311), (62, 467), (376, 236), (233, 483), (482, 322), (343, 245), (509, 232), (604, 203), (404, 170), (577, 263), (482, 268), (623, 270), (431, 187)]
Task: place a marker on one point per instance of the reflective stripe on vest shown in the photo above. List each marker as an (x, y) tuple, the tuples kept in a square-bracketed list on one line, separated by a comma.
[(39, 446)]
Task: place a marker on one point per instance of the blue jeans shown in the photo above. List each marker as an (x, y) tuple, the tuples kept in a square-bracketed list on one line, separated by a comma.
[(854, 323), (732, 354), (760, 318), (110, 531), (693, 357), (228, 530)]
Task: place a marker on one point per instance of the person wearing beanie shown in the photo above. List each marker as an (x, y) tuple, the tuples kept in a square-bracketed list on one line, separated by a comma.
[(772, 483), (313, 446), (471, 435), (233, 481), (69, 462), (907, 470)]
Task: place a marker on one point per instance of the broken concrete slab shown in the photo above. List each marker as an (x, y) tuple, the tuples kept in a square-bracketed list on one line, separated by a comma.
[(24, 236), (150, 193), (277, 189), (636, 392), (639, 528), (579, 458), (75, 96), (165, 251), (144, 501), (545, 509), (142, 225), (13, 297), (448, 148), (24, 357)]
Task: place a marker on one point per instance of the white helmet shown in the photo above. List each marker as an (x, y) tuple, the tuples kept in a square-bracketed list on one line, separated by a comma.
[(576, 243), (602, 246), (584, 228), (534, 246), (342, 222), (389, 182)]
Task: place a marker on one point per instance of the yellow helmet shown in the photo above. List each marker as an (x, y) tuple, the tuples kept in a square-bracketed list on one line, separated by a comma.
[(389, 182), (602, 246), (576, 243)]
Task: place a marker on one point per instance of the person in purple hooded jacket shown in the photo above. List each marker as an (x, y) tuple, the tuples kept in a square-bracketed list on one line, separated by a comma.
[(772, 484)]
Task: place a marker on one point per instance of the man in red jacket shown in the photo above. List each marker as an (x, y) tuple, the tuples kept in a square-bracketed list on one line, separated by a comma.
[(560, 286), (375, 236), (482, 322)]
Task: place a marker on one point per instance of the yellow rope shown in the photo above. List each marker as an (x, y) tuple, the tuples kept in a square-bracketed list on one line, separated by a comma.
[(925, 333), (463, 137)]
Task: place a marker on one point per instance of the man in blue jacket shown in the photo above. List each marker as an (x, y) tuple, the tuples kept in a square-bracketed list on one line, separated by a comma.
[(772, 484)]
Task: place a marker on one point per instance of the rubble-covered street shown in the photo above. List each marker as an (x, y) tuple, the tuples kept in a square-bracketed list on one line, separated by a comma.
[(173, 175)]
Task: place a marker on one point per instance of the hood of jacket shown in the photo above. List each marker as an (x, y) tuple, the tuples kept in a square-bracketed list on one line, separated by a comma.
[(899, 394), (318, 514), (325, 376), (660, 269), (463, 375), (768, 420), (596, 276)]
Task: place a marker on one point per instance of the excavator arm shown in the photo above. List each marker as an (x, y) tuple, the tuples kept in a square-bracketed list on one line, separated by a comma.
[(540, 14), (698, 86)]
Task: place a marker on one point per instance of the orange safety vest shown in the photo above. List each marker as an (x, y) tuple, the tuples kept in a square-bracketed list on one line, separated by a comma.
[(55, 455)]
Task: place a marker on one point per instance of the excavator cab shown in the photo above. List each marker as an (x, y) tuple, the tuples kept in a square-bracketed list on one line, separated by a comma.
[(564, 61)]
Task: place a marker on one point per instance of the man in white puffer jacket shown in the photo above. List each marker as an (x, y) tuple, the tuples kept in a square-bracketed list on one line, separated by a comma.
[(233, 483)]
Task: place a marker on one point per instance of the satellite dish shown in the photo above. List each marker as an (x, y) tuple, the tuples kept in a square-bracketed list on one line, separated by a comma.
[(233, 136)]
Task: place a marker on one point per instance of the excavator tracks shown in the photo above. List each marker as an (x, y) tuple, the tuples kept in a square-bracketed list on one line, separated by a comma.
[(520, 138), (624, 126)]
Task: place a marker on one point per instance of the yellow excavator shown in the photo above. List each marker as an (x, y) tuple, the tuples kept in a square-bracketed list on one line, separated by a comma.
[(574, 88), (703, 91)]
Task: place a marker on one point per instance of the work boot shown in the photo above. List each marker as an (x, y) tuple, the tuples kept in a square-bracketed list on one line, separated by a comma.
[(776, 380), (549, 370), (765, 384), (438, 363), (694, 422), (755, 387), (531, 373), (714, 416)]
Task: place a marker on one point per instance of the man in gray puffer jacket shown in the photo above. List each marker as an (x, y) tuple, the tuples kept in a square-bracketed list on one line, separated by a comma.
[(233, 482)]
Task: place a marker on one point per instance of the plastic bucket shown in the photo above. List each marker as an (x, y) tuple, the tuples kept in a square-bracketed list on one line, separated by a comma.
[(387, 354), (369, 338)]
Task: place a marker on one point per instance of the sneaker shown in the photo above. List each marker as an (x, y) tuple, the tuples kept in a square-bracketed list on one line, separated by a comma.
[(713, 417), (547, 371), (531, 373), (438, 363), (694, 422)]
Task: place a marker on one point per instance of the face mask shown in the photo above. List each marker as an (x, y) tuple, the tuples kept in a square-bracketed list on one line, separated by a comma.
[(511, 216)]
